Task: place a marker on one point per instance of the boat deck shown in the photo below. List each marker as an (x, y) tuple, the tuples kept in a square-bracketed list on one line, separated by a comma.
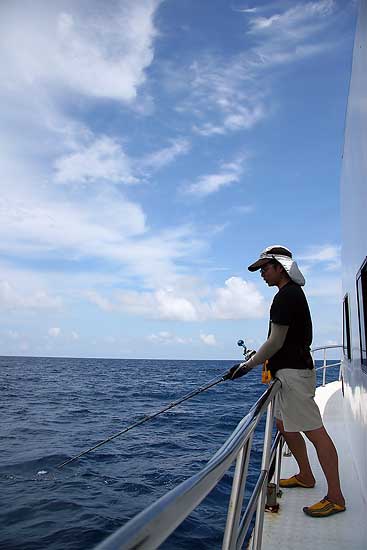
[(290, 527)]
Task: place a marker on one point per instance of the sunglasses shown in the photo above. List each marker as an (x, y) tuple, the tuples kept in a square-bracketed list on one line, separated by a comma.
[(265, 268)]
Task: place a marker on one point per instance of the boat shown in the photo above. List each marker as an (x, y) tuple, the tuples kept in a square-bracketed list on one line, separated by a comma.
[(343, 404)]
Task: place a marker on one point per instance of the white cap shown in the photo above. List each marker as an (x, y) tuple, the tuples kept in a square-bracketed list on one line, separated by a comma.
[(284, 256)]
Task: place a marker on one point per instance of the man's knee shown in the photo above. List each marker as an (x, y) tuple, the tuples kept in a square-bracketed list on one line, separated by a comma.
[(319, 435)]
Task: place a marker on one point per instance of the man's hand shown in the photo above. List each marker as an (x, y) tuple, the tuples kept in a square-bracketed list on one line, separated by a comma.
[(238, 370)]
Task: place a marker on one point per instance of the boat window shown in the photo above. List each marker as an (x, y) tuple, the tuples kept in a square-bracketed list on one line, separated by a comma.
[(346, 329), (362, 312)]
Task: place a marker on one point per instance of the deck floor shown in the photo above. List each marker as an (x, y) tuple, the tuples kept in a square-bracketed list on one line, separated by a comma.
[(291, 528)]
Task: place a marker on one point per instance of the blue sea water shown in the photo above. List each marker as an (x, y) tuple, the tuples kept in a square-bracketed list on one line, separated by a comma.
[(53, 408)]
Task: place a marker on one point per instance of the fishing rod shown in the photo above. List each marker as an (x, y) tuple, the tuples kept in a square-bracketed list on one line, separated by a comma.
[(225, 376)]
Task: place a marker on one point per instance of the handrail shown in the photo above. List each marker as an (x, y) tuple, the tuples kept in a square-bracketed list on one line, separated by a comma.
[(325, 365), (153, 525), (326, 347)]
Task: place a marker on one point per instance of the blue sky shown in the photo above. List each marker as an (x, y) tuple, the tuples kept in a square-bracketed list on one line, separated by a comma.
[(149, 150)]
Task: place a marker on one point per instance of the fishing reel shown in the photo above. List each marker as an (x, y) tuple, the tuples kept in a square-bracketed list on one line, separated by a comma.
[(246, 352)]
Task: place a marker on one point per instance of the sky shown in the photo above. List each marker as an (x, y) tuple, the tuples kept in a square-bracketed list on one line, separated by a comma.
[(149, 151)]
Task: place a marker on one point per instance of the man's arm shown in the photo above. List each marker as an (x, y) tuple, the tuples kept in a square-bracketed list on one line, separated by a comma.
[(273, 344)]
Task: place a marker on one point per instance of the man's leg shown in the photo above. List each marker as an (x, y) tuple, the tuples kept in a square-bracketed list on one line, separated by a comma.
[(328, 459), (297, 446)]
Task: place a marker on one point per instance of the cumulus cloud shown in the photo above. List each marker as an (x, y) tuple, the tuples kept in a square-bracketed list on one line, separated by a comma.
[(160, 304), (238, 299), (208, 339), (54, 332)]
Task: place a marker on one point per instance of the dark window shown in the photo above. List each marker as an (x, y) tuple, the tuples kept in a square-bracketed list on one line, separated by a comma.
[(362, 312), (346, 329)]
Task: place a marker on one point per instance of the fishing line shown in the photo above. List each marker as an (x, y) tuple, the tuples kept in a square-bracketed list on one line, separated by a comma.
[(201, 389), (225, 376)]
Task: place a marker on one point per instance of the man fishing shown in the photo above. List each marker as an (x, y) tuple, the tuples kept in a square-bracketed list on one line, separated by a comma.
[(286, 353)]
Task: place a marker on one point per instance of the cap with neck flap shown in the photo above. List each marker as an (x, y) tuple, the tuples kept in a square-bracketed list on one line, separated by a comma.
[(284, 256)]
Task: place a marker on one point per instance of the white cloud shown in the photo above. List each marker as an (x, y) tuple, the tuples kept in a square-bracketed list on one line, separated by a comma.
[(162, 157), (208, 339), (324, 287), (228, 174), (228, 94), (110, 339), (327, 256), (12, 334), (103, 159), (50, 56), (54, 332), (299, 20), (322, 253), (95, 298), (224, 95), (165, 337), (209, 129), (290, 35), (67, 45), (160, 304), (245, 208), (75, 335), (26, 297), (238, 299), (34, 222), (102, 226)]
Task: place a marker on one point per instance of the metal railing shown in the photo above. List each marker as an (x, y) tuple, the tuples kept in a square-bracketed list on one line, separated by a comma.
[(326, 366), (153, 525)]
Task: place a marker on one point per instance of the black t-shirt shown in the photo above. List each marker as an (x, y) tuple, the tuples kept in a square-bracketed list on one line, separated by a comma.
[(290, 308)]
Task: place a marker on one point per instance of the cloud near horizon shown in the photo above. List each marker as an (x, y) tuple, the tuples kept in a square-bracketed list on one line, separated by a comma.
[(238, 299)]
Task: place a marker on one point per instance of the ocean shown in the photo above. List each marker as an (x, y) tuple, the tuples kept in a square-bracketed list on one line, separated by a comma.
[(53, 408)]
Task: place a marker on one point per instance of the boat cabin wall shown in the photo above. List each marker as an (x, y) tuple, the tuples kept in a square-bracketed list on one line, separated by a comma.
[(354, 248)]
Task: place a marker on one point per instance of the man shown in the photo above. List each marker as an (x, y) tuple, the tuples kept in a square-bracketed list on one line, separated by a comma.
[(287, 351)]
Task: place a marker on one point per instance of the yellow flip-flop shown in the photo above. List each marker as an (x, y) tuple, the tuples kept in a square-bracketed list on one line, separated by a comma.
[(294, 482), (323, 509)]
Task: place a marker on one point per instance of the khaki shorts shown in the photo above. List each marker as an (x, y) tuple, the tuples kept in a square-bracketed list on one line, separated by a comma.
[(294, 403)]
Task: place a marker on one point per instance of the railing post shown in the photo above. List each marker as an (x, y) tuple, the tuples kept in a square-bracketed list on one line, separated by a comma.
[(264, 466), (324, 370), (278, 464), (340, 366), (236, 500)]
